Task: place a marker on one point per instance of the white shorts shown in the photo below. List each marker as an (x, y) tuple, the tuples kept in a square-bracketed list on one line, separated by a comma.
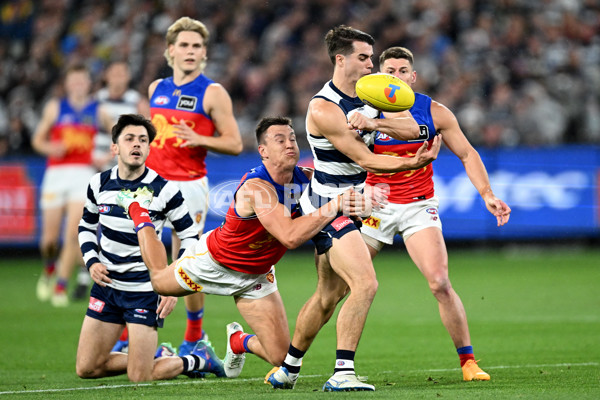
[(64, 184), (405, 219), (196, 271), (195, 194)]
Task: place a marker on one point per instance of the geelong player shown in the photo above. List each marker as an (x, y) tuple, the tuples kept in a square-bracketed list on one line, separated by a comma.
[(238, 258), (413, 207), (340, 128), (122, 292)]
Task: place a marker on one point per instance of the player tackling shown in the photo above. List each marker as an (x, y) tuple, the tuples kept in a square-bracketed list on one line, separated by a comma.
[(238, 258)]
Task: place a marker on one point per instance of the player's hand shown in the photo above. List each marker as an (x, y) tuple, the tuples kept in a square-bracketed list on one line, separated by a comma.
[(99, 274), (425, 154), (166, 306), (190, 138), (497, 207), (354, 204), (378, 195), (359, 121)]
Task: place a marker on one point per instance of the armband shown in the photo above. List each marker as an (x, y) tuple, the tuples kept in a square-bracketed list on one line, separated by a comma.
[(143, 225)]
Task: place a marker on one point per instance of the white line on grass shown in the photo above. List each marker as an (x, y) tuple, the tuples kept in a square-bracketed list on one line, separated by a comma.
[(219, 381)]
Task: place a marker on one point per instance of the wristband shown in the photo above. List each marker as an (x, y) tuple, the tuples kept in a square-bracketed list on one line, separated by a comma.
[(143, 225)]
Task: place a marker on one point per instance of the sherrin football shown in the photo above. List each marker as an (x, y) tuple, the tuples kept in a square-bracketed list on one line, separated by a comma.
[(385, 92)]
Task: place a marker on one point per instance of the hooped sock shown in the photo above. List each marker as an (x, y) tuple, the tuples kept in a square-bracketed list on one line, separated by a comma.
[(239, 342), (124, 335), (192, 362), (293, 362), (193, 329), (465, 354), (344, 363), (50, 267)]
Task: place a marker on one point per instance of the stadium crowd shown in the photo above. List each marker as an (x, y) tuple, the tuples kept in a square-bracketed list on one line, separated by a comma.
[(516, 72)]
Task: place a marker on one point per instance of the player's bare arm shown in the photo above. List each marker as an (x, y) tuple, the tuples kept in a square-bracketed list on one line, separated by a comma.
[(41, 141), (328, 120), (152, 88), (258, 197), (445, 121), (401, 126), (218, 105)]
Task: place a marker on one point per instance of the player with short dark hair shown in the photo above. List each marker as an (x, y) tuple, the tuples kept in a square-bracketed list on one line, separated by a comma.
[(340, 128), (238, 259), (122, 293), (413, 207)]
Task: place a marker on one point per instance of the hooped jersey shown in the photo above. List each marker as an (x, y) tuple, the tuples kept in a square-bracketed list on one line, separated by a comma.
[(76, 130), (118, 247), (334, 171), (168, 106), (242, 243), (412, 185)]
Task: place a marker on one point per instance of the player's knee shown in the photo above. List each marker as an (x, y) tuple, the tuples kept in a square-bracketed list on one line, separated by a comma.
[(87, 371), (440, 286), (276, 355), (365, 287)]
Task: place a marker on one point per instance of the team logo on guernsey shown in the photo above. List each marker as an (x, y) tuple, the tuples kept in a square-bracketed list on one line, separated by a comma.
[(372, 222), (103, 209), (161, 100), (188, 281), (96, 305), (187, 103), (432, 211)]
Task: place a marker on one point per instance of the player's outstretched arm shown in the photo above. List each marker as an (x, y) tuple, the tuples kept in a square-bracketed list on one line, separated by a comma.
[(457, 142), (258, 197)]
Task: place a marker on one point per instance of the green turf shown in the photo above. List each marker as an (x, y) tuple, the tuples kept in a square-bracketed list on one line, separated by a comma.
[(534, 317)]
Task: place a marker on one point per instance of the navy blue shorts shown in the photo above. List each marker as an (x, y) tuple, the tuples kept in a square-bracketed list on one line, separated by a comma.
[(118, 306), (337, 228)]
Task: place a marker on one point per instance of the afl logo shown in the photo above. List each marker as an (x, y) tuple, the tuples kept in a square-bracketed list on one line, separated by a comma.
[(103, 209), (141, 311), (161, 100), (383, 137), (432, 211), (340, 363)]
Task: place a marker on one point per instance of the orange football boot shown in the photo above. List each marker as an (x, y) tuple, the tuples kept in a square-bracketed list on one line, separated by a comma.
[(472, 372)]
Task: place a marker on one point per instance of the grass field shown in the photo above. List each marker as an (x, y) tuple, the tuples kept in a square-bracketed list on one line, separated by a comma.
[(534, 317)]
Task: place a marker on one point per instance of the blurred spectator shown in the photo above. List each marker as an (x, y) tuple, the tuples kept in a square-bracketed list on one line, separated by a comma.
[(506, 66)]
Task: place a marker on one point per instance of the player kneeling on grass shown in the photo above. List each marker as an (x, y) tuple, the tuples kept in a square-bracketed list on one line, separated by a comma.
[(238, 258), (122, 292)]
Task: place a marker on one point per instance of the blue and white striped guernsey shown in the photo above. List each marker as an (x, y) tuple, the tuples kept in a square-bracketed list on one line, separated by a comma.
[(119, 249), (334, 171)]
